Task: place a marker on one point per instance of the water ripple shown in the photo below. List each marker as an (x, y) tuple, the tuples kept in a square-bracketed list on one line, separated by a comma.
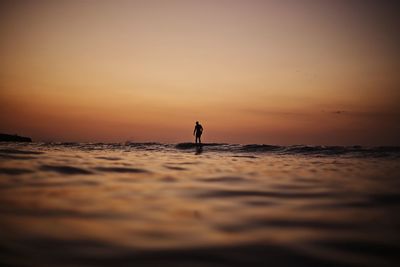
[(63, 169), (221, 193), (121, 170), (14, 171), (17, 151)]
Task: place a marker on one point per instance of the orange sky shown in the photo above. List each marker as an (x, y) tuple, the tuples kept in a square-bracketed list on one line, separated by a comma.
[(276, 72)]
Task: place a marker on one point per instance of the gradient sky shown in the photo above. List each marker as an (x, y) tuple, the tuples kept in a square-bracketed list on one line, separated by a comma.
[(276, 72)]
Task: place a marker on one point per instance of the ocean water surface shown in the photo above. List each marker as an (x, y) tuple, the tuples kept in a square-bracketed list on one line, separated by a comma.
[(151, 204)]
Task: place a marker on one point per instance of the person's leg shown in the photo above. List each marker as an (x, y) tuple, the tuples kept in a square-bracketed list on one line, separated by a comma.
[(196, 139), (199, 139)]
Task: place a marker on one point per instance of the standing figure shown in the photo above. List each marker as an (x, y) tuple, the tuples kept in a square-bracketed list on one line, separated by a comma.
[(198, 130)]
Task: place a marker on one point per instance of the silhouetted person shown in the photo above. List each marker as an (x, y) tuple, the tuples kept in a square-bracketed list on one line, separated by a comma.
[(198, 130)]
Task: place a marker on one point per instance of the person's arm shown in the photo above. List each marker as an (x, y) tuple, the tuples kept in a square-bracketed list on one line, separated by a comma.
[(194, 130)]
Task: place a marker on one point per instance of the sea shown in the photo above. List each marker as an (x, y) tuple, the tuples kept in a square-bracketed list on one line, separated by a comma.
[(154, 204)]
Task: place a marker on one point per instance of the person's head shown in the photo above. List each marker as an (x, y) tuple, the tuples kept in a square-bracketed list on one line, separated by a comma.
[(197, 122)]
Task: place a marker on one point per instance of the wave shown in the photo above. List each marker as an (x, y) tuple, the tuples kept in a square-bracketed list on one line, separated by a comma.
[(17, 151), (359, 151), (194, 145), (260, 148), (356, 151)]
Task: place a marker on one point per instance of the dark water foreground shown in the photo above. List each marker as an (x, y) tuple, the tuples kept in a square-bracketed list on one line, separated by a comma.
[(177, 205)]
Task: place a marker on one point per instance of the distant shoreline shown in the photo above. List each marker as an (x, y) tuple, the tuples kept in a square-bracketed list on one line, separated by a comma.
[(14, 138)]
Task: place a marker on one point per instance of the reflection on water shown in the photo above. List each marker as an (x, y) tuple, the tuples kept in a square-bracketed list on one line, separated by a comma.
[(226, 205)]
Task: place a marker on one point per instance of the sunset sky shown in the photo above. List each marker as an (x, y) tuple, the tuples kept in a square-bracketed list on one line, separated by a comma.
[(274, 72)]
